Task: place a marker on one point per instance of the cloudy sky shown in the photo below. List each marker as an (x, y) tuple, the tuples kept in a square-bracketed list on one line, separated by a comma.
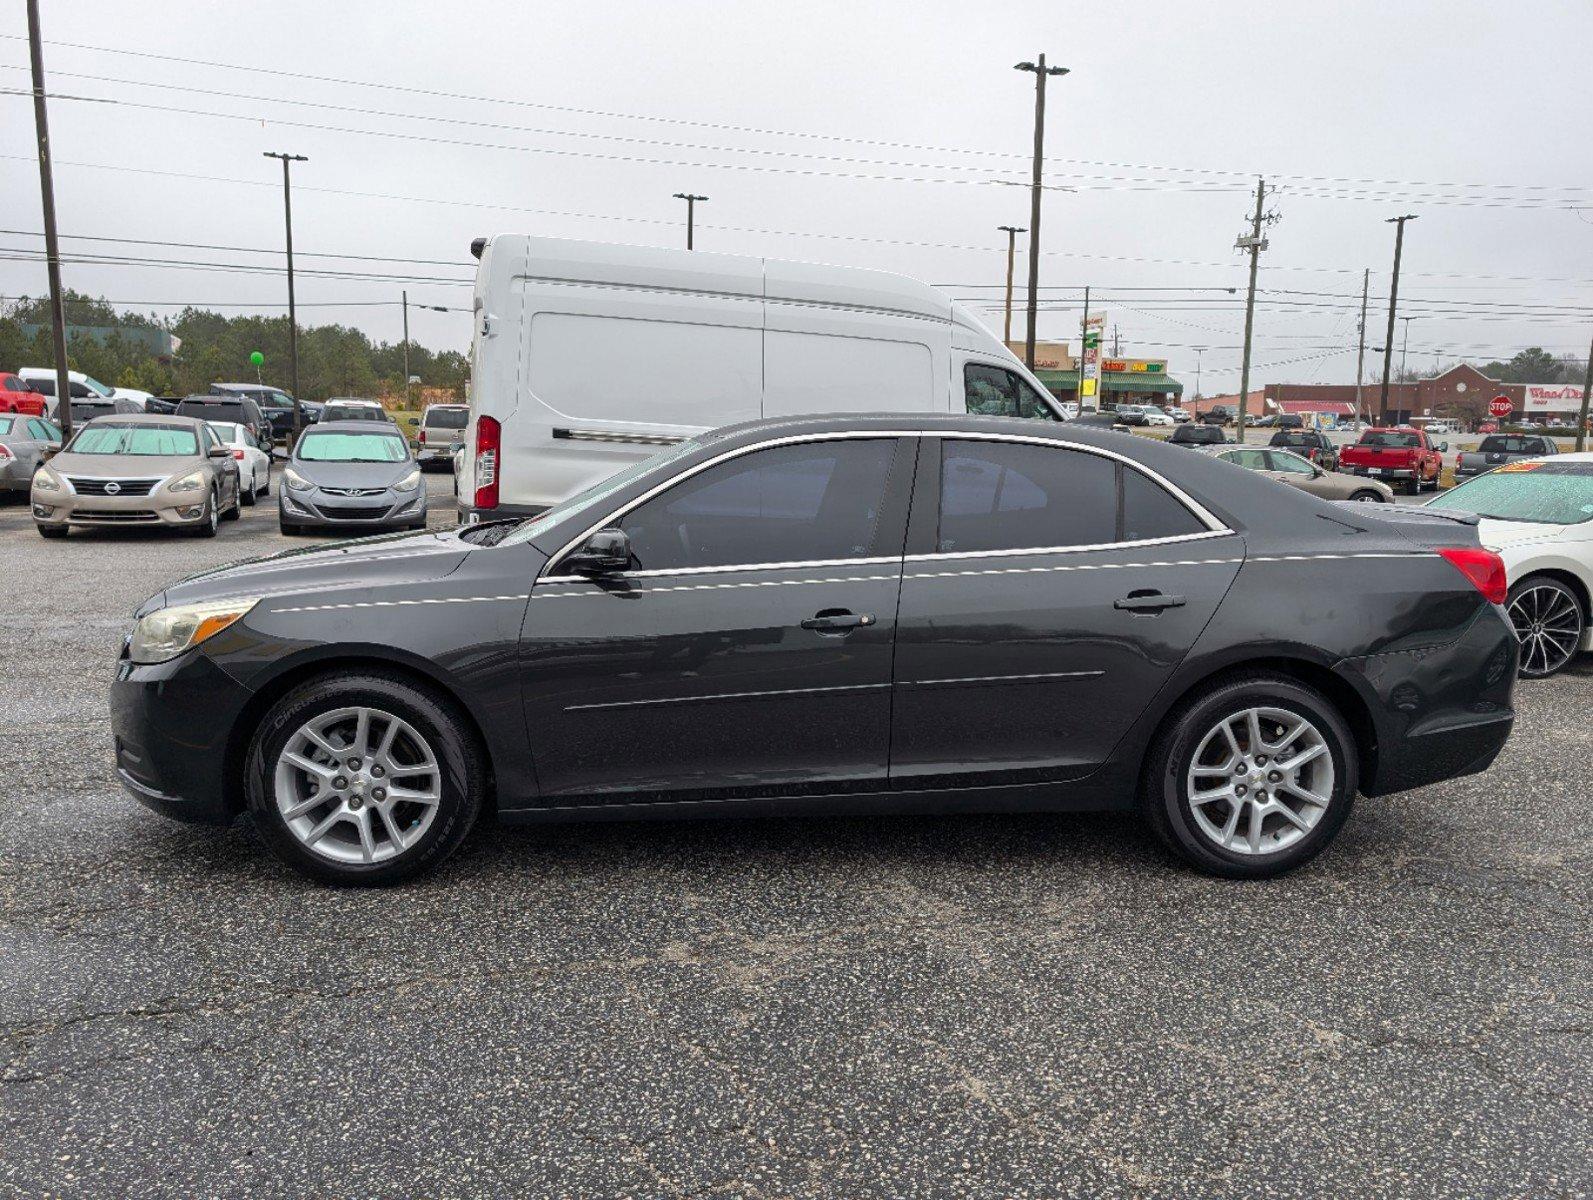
[(881, 134)]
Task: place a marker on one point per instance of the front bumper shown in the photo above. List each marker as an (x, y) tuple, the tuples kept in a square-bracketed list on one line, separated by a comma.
[(376, 510), (172, 722), (160, 507)]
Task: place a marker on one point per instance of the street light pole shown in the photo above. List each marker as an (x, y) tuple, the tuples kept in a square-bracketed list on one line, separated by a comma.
[(691, 214), (1360, 353), (52, 248), (1041, 72), (406, 349), (293, 317), (1012, 232), (1404, 348), (1393, 306), (1200, 354)]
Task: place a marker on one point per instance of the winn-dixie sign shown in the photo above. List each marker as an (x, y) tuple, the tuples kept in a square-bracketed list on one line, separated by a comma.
[(1553, 397)]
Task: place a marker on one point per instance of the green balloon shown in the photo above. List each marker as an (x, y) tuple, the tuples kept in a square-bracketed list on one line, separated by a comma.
[(256, 358)]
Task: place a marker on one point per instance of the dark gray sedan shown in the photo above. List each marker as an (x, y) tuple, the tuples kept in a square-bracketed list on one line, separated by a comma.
[(351, 475), (23, 443), (1499, 448)]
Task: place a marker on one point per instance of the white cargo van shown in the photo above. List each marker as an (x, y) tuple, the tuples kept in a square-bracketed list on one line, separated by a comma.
[(587, 357)]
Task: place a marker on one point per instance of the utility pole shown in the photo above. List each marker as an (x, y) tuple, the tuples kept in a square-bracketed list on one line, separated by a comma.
[(1200, 354), (1404, 349), (691, 214), (52, 247), (1084, 333), (1587, 393), (406, 348), (1012, 232), (1393, 306), (1254, 243), (293, 316), (1117, 341), (1041, 73), (1360, 353)]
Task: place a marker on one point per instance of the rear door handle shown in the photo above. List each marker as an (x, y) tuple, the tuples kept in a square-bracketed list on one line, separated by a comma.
[(1148, 602), (837, 620)]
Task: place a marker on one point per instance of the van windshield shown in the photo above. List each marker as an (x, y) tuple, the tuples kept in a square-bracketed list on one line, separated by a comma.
[(597, 493)]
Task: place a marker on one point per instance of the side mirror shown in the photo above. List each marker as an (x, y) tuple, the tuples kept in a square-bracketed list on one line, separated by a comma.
[(1442, 446), (606, 550), (220, 452)]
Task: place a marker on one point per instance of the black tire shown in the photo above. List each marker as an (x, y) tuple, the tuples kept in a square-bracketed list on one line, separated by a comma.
[(1368, 496), (207, 521), (1552, 597), (236, 511), (247, 495), (1163, 794), (51, 531), (463, 774)]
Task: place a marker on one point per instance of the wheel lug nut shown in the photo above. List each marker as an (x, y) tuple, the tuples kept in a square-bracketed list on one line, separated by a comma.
[(340, 783), (1261, 760), (1273, 777), (379, 794), (1261, 797), (378, 772), (1240, 790), (355, 802), (353, 764)]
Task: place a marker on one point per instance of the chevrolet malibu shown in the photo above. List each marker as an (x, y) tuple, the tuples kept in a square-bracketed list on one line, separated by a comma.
[(835, 614)]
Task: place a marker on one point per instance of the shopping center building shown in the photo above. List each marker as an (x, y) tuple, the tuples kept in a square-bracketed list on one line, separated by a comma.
[(1123, 380)]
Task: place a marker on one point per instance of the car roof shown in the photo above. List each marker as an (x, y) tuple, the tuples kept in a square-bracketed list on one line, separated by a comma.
[(144, 418), (212, 398), (353, 426)]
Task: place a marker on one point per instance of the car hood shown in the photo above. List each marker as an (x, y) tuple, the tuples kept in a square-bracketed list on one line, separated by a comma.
[(352, 474), (126, 466), (362, 564), (1496, 535)]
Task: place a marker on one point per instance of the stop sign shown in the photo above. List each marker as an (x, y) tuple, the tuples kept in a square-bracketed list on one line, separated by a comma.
[(1500, 406)]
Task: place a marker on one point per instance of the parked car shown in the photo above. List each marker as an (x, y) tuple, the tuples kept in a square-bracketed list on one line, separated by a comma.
[(17, 395), (253, 456), (343, 408), (442, 432), (1488, 427), (25, 442), (1537, 515), (1289, 421), (1180, 415), (1266, 421), (1198, 435), (589, 356), (86, 410), (240, 410), (1310, 444), (732, 627), (1499, 448), (351, 475), (139, 469), (163, 404), (1400, 455), (1217, 414), (1130, 414), (1288, 467), (1156, 418), (40, 376), (275, 404)]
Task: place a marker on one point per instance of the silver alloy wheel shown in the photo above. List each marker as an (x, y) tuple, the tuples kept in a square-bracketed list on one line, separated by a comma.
[(357, 785), (1260, 780), (1548, 624)]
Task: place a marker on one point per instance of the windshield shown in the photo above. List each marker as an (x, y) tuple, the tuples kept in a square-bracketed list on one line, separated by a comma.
[(597, 493), (1505, 443), (446, 418), (211, 410), (1390, 437), (1549, 492), (331, 446), (109, 437)]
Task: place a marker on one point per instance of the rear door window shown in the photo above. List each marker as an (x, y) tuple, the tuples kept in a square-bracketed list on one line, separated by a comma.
[(1016, 496)]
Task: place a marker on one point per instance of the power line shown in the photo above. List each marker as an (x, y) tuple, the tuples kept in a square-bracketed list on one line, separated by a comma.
[(1236, 173)]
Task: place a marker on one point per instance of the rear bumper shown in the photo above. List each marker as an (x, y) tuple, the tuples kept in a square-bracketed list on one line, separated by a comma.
[(1379, 472), (1439, 713)]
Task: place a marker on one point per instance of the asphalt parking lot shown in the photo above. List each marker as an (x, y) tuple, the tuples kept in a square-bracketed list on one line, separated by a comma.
[(996, 1007)]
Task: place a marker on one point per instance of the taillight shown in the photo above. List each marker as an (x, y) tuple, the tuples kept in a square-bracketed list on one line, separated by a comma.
[(1484, 568), (487, 446), (5, 453), (422, 438), (238, 454)]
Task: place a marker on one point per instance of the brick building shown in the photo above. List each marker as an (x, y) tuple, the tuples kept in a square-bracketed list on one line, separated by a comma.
[(1461, 391)]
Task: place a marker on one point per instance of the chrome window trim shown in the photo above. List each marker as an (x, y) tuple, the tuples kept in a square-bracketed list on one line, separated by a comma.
[(1214, 526), (806, 564), (1091, 548)]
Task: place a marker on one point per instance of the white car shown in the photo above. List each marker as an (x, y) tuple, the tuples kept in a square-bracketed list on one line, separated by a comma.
[(93, 387), (1155, 416), (254, 463), (1537, 515), (1180, 415)]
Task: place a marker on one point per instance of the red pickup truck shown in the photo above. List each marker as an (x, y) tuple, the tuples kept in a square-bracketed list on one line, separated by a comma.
[(1396, 456)]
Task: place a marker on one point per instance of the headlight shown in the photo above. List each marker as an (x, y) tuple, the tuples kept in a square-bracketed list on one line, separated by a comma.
[(192, 482), (46, 480), (296, 481), (167, 632), (408, 483)]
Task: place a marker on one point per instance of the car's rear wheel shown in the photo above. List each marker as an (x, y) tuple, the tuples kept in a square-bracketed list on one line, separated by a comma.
[(1367, 496), (247, 495), (1252, 777), (364, 779), (1549, 623)]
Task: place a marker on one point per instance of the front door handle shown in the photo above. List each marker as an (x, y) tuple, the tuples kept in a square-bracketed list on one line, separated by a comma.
[(837, 620), (1148, 602)]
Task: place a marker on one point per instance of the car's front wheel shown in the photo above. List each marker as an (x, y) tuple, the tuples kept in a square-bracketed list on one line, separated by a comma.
[(1367, 496), (1251, 777), (1549, 623), (364, 779), (208, 519)]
